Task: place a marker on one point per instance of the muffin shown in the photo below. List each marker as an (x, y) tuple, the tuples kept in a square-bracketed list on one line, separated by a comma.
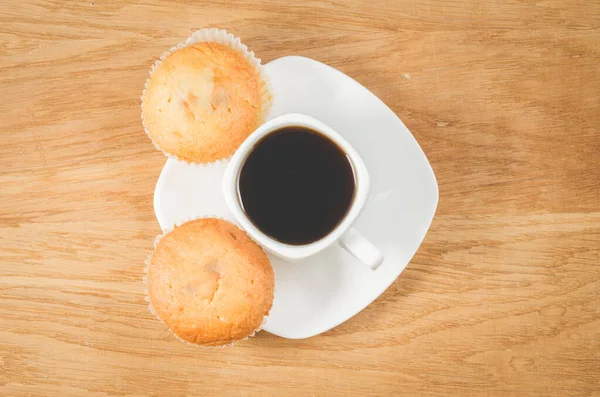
[(202, 101), (210, 283)]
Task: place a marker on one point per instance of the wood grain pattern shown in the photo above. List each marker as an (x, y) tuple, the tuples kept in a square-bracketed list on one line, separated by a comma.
[(502, 298)]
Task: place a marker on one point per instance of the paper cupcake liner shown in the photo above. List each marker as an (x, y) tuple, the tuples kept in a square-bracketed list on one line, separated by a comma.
[(212, 35), (147, 295)]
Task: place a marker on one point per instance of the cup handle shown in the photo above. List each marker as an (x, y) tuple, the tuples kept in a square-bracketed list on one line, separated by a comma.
[(353, 242)]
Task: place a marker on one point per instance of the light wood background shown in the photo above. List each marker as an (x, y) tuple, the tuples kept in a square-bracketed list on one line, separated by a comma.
[(502, 298)]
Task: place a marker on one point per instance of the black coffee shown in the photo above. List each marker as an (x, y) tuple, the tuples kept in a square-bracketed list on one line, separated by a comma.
[(296, 185)]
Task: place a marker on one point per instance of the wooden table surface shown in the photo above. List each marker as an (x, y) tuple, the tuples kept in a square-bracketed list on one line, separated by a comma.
[(502, 298)]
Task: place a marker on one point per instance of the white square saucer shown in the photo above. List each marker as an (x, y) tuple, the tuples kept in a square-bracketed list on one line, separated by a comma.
[(321, 292)]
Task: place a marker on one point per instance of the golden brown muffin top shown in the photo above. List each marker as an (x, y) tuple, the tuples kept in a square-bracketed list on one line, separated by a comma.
[(210, 283), (202, 101)]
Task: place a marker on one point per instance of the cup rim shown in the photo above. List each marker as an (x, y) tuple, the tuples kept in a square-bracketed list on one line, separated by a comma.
[(231, 178)]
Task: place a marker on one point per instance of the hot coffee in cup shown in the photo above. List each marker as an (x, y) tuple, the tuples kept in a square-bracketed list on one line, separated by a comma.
[(296, 186)]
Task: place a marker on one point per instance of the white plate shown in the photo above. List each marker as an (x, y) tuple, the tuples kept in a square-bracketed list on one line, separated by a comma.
[(321, 292)]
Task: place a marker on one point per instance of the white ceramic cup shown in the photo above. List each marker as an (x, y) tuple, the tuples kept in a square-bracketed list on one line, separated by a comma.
[(343, 234)]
